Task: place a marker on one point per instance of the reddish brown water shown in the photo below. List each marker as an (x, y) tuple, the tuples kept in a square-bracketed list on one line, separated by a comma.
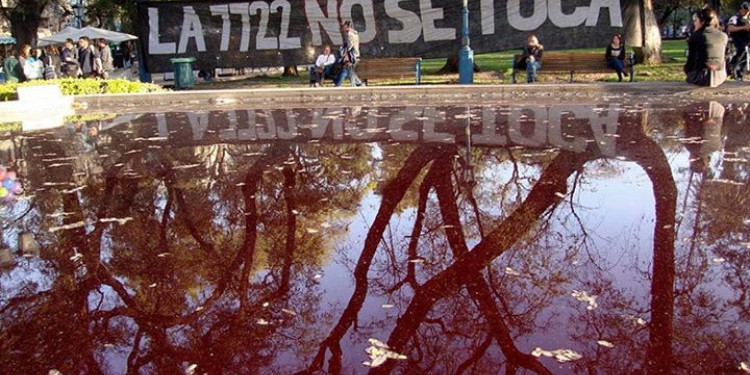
[(282, 241)]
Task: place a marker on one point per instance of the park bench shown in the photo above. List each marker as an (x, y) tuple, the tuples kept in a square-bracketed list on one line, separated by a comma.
[(390, 68), (574, 62)]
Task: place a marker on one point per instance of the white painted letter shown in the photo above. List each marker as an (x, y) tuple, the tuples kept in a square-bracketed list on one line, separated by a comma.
[(330, 23), (615, 12), (155, 47), (560, 19), (242, 10), (429, 16), (487, 11), (285, 42), (191, 28), (412, 25), (226, 24), (521, 23)]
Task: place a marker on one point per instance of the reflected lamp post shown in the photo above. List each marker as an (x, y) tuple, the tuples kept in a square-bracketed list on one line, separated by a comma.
[(465, 55)]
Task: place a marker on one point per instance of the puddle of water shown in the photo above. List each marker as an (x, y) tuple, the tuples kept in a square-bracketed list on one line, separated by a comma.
[(559, 239)]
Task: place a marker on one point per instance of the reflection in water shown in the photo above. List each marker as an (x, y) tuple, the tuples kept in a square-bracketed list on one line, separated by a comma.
[(551, 240)]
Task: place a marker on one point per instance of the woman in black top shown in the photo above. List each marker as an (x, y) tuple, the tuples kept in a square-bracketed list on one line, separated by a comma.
[(615, 56), (531, 59), (706, 60)]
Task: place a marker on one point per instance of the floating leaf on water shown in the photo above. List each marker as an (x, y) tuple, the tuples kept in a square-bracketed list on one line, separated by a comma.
[(377, 343), (566, 355), (605, 344), (583, 296), (187, 166), (68, 226), (377, 361), (511, 272), (115, 220), (538, 352)]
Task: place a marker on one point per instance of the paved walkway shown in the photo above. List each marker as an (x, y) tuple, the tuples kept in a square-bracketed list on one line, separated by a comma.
[(639, 92)]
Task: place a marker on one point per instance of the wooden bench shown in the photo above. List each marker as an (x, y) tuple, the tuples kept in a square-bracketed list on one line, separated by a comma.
[(390, 68), (574, 62)]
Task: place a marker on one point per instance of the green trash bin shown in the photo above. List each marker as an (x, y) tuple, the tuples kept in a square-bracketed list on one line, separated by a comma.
[(183, 72)]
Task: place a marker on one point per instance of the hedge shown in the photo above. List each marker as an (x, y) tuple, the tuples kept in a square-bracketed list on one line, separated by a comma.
[(72, 86)]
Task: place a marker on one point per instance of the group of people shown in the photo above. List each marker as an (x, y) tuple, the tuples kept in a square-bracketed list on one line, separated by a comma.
[(86, 59), (338, 68), (706, 63)]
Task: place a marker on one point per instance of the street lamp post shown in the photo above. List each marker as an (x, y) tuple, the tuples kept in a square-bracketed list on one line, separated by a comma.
[(465, 55)]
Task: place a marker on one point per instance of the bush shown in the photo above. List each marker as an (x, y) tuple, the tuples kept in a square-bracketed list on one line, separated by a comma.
[(71, 86)]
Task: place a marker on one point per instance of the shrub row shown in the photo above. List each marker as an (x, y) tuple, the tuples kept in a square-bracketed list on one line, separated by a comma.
[(71, 86)]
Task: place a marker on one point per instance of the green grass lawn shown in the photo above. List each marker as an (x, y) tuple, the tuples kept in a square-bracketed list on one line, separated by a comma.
[(497, 65), (496, 68)]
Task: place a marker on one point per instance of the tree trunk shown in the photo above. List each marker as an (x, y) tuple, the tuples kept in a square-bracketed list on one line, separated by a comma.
[(633, 25), (651, 35), (290, 71), (24, 24)]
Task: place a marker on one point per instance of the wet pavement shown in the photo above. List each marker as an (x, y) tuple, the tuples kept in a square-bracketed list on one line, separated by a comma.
[(606, 238)]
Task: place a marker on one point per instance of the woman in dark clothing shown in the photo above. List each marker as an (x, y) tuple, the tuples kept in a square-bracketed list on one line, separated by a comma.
[(531, 59), (705, 63), (615, 55)]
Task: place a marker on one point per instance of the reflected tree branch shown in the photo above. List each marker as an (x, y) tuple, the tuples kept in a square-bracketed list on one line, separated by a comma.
[(541, 198)]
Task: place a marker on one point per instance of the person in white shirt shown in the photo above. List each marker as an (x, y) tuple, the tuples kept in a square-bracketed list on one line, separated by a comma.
[(322, 67)]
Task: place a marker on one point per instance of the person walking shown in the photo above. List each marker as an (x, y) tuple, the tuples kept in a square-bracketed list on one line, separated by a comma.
[(706, 59), (349, 55)]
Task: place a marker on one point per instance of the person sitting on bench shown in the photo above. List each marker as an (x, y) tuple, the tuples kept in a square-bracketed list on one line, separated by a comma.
[(531, 59), (705, 63), (322, 67), (615, 55)]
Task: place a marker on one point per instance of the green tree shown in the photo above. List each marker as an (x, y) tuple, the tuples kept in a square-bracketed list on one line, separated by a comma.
[(25, 18)]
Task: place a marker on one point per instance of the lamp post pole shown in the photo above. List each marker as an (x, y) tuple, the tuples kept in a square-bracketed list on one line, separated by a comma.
[(465, 55)]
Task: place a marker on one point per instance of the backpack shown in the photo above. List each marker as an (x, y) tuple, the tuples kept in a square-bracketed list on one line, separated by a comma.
[(49, 69)]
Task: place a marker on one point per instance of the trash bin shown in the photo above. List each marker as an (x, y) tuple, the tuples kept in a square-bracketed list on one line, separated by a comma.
[(183, 72)]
